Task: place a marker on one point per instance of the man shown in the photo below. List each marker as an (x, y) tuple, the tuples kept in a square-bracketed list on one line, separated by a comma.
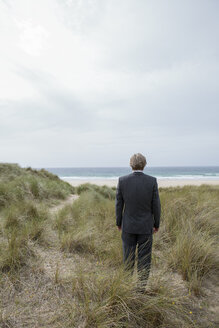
[(137, 194)]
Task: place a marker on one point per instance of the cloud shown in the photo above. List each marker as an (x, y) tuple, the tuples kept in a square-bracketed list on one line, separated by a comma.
[(32, 37), (107, 78)]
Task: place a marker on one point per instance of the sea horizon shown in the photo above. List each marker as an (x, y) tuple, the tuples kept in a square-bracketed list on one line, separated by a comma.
[(160, 172)]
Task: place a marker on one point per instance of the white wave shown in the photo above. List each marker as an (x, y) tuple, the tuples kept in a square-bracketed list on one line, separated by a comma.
[(188, 177), (88, 178), (176, 177)]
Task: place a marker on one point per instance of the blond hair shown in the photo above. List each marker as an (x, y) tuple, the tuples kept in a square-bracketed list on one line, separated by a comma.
[(138, 162)]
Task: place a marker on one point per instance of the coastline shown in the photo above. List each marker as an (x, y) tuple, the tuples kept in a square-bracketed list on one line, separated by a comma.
[(161, 182)]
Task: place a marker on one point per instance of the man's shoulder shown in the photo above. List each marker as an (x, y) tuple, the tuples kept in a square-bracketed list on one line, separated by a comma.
[(150, 177), (125, 177)]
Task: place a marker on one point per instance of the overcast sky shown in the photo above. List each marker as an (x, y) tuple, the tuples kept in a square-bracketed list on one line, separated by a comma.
[(90, 82)]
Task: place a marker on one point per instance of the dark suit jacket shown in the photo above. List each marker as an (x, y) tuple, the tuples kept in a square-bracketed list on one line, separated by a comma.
[(137, 203)]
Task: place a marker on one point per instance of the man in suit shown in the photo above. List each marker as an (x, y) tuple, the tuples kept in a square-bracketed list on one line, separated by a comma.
[(138, 216)]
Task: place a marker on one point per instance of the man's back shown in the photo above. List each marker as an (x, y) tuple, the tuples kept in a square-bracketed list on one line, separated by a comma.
[(137, 193)]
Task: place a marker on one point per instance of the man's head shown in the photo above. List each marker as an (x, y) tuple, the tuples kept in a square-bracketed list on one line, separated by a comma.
[(138, 162)]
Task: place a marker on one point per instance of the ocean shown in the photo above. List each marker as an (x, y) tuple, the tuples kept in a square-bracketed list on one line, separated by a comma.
[(184, 172)]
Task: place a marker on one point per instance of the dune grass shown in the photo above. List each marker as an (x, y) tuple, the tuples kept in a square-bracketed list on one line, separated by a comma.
[(114, 302), (186, 246), (190, 229), (18, 184), (98, 292), (24, 198)]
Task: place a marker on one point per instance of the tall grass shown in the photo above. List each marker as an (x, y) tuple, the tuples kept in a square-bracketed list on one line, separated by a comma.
[(24, 198), (17, 184), (110, 300), (15, 252), (105, 191), (99, 292), (25, 218), (189, 232), (186, 247), (187, 237), (91, 228)]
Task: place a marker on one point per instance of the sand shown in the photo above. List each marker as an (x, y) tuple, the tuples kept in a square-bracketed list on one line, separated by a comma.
[(161, 182)]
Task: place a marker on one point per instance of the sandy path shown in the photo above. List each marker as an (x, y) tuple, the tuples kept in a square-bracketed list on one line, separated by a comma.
[(53, 261), (67, 201), (43, 286)]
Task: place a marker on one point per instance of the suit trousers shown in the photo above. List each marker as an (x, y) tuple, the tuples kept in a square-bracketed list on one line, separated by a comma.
[(143, 242)]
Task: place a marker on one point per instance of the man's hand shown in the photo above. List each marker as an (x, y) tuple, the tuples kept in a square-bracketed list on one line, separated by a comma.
[(155, 230), (119, 227)]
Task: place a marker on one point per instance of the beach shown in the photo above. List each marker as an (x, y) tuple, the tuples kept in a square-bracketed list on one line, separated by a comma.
[(161, 182)]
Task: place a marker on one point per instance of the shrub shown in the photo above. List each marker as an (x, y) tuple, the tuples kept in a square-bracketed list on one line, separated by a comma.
[(15, 253), (105, 191), (18, 184), (25, 218), (114, 302)]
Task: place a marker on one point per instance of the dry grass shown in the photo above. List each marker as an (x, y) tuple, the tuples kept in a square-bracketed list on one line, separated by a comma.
[(62, 266)]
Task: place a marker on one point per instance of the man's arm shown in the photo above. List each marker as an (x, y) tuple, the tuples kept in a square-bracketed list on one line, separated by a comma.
[(119, 205), (156, 207)]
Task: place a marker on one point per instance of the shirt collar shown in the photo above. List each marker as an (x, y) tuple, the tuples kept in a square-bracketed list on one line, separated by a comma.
[(138, 171)]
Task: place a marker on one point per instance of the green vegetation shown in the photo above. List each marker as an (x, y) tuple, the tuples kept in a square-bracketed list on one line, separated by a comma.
[(18, 184), (24, 198), (105, 191), (185, 255), (62, 266)]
